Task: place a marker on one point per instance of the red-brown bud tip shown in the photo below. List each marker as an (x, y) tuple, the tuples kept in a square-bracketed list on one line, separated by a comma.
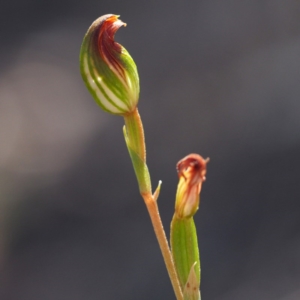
[(192, 163), (108, 48)]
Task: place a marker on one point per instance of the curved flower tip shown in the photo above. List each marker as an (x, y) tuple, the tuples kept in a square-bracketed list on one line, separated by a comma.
[(107, 69), (191, 171)]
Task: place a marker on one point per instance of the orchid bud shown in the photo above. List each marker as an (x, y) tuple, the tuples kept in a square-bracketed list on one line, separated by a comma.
[(184, 242), (191, 171), (107, 69)]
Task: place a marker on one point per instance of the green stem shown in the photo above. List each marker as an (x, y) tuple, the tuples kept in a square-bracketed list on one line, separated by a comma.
[(135, 141), (135, 133), (163, 244)]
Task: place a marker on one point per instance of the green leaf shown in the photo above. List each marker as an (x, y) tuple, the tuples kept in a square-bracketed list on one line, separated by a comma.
[(184, 247)]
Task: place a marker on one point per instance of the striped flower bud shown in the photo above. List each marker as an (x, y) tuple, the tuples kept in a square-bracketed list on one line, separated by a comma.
[(191, 171), (107, 69)]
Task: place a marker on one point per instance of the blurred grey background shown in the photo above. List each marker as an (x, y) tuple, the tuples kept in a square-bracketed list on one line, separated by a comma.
[(220, 78)]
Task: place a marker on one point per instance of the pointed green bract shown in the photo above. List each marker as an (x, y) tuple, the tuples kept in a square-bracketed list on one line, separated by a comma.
[(191, 288), (184, 246), (107, 69)]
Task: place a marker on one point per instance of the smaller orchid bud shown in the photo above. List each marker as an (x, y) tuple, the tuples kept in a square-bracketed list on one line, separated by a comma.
[(191, 171), (183, 237), (107, 69)]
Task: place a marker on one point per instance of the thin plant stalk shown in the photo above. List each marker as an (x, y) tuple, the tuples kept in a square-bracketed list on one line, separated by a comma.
[(152, 207), (136, 139)]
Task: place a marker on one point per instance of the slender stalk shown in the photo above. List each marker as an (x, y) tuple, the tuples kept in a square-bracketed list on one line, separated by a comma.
[(135, 141), (134, 127), (163, 243)]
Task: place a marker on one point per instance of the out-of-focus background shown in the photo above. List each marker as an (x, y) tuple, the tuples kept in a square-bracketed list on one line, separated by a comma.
[(219, 78)]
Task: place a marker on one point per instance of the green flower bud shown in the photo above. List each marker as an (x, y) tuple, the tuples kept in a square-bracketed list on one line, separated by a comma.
[(107, 69)]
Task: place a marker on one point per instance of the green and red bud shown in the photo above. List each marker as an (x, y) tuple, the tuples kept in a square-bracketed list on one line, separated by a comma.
[(107, 69), (191, 172), (184, 242)]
